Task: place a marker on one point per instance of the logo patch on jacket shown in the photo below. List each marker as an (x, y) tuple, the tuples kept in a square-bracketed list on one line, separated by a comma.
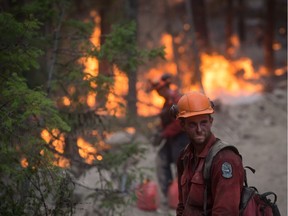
[(226, 170)]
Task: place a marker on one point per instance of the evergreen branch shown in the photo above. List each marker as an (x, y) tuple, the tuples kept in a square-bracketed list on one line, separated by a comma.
[(41, 193)]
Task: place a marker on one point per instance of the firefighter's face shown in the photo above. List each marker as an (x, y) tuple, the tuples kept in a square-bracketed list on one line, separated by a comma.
[(198, 128)]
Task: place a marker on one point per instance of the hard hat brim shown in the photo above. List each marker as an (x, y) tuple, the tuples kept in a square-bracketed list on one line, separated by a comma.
[(195, 113)]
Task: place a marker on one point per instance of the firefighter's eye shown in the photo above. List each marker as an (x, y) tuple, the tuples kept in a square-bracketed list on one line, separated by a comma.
[(204, 123), (192, 125)]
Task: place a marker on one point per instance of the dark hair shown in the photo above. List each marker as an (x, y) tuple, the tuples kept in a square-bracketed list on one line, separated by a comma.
[(166, 76)]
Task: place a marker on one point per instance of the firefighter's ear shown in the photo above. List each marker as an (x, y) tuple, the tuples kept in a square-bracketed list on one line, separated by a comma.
[(182, 123), (173, 111), (212, 104)]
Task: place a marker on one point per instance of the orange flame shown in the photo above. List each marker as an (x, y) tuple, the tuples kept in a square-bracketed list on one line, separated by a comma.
[(220, 75), (66, 101), (280, 71), (223, 78), (92, 64), (99, 157), (58, 145), (277, 46), (150, 103), (91, 99), (116, 97), (166, 40), (86, 150), (235, 45), (24, 162)]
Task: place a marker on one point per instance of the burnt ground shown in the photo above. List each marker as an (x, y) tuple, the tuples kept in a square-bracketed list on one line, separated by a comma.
[(258, 127)]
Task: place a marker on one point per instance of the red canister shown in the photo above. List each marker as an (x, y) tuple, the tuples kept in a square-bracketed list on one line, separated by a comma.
[(147, 196), (173, 194)]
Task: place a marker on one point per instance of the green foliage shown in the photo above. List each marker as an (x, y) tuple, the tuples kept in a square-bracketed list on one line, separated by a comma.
[(16, 52), (82, 29), (23, 103), (123, 154), (24, 112), (121, 48), (37, 191), (28, 35)]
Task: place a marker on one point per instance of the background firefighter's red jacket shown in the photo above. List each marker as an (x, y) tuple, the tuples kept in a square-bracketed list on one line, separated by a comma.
[(170, 126)]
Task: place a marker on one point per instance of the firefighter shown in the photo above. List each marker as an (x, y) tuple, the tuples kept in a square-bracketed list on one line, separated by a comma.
[(194, 111), (170, 134)]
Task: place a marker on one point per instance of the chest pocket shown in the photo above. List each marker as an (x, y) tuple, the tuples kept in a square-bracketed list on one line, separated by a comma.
[(197, 188)]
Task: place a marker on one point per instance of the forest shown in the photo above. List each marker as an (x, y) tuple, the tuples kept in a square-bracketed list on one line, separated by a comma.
[(74, 92)]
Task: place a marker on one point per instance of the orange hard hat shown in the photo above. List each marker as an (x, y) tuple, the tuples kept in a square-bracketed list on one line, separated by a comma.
[(160, 82), (192, 104)]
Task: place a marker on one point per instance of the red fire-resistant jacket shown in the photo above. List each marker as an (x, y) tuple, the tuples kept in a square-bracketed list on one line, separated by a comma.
[(171, 127), (224, 196)]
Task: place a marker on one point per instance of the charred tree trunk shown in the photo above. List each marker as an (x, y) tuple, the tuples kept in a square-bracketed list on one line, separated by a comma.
[(229, 29), (196, 78), (174, 27), (241, 21), (132, 6), (198, 9), (177, 58), (104, 66), (269, 36)]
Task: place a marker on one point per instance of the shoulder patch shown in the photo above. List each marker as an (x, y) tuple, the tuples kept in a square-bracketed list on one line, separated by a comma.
[(226, 170)]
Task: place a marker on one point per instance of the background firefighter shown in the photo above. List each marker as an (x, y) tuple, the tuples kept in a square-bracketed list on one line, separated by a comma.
[(170, 135)]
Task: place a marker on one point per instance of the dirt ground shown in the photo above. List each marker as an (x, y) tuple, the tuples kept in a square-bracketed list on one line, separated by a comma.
[(258, 127)]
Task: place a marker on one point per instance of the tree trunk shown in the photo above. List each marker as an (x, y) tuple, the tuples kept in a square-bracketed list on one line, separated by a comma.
[(269, 36), (173, 20), (132, 6), (198, 9), (104, 66), (196, 78), (241, 21), (229, 29)]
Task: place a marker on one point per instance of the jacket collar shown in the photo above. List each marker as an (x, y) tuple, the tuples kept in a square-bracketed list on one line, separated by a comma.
[(207, 147), (188, 152)]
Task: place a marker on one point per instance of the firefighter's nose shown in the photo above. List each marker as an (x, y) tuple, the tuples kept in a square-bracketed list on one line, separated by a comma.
[(199, 128)]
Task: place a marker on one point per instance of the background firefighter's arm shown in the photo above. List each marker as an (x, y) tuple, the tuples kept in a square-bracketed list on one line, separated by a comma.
[(172, 129), (169, 131)]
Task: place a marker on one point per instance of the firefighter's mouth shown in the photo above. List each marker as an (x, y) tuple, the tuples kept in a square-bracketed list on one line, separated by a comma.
[(199, 137)]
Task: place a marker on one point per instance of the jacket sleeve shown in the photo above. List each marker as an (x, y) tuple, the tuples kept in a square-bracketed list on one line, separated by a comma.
[(172, 129), (226, 183)]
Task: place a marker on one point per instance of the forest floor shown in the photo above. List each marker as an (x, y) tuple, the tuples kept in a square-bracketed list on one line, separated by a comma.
[(257, 126)]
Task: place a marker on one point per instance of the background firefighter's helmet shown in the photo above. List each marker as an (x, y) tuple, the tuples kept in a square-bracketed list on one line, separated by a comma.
[(192, 104), (158, 83)]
